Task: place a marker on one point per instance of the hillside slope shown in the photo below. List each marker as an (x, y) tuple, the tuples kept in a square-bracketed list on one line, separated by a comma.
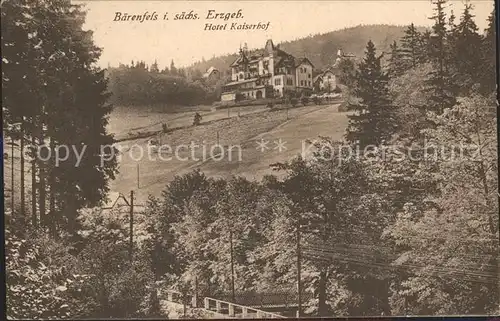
[(321, 49)]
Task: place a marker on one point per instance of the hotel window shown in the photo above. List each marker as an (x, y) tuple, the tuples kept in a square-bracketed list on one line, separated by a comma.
[(289, 82), (309, 83), (309, 75), (277, 82), (302, 83)]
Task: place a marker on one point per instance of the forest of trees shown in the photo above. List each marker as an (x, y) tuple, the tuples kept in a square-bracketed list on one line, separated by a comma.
[(139, 85), (377, 234)]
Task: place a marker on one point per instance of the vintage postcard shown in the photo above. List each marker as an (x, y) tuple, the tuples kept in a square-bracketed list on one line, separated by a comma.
[(250, 159)]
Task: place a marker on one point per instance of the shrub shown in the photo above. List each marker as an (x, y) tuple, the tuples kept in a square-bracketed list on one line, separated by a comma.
[(39, 284), (121, 288), (343, 107), (197, 119), (239, 97), (294, 101), (305, 100)]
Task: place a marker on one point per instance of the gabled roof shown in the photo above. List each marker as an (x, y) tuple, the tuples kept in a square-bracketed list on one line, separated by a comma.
[(318, 77), (209, 71), (303, 60), (241, 59), (113, 199), (333, 69), (284, 61), (280, 56), (269, 47)]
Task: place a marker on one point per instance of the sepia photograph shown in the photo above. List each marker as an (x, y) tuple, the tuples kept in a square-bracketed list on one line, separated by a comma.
[(259, 159)]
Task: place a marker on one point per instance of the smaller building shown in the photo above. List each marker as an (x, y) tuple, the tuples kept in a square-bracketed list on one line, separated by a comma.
[(118, 204), (212, 73), (327, 80)]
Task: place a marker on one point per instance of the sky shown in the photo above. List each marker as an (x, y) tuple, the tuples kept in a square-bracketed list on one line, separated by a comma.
[(186, 41)]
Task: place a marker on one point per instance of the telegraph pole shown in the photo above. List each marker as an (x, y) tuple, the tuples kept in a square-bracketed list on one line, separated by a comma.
[(12, 175), (131, 221), (22, 168), (34, 219), (299, 285), (137, 175), (12, 144), (232, 265)]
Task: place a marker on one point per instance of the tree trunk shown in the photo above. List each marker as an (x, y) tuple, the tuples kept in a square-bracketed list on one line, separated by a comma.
[(322, 307), (71, 214), (384, 297), (41, 184), (52, 191), (34, 218)]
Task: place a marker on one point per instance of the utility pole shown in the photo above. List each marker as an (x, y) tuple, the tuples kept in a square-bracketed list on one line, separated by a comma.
[(299, 285), (232, 265), (22, 169), (12, 194), (217, 137), (12, 175), (131, 221), (195, 296), (34, 219), (138, 176)]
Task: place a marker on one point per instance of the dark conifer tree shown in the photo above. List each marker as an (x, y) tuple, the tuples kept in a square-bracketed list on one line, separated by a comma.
[(466, 47), (397, 65), (440, 83), (22, 83), (451, 39), (373, 120), (412, 47), (425, 41), (347, 70), (154, 67), (64, 100), (489, 56), (173, 70)]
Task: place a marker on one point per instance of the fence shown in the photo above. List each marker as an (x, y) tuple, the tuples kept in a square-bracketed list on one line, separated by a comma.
[(286, 298), (236, 310)]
